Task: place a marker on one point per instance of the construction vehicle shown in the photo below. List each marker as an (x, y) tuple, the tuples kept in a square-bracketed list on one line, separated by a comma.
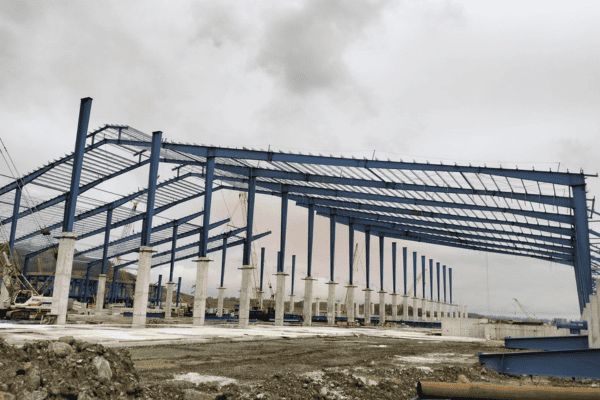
[(531, 318)]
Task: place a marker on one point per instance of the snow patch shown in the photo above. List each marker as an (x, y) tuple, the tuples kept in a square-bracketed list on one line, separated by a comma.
[(316, 376), (196, 378)]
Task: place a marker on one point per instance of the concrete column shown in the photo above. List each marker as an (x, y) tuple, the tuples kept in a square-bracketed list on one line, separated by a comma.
[(169, 299), (220, 301), (100, 293), (593, 322), (201, 290), (455, 311), (331, 303), (62, 278), (291, 303), (394, 306), (367, 305), (142, 282), (465, 312), (357, 310), (372, 308), (424, 308), (382, 307), (245, 288), (260, 299), (280, 299), (350, 303), (444, 310), (317, 307), (338, 311), (438, 311), (405, 307), (308, 300), (415, 302)]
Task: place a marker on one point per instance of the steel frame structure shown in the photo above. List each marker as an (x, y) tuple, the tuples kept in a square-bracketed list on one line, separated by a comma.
[(528, 213)]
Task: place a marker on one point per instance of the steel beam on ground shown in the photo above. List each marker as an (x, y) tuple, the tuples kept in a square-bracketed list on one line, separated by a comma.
[(547, 343)]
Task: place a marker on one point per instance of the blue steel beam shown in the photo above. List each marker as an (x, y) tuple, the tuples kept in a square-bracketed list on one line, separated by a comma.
[(559, 201), (444, 270), (331, 247), (71, 200), (404, 264), (437, 265), (414, 274), (152, 177), (223, 258), (106, 242), (561, 363), (381, 244), (351, 251), (284, 210), (394, 265), (450, 283), (262, 266), (423, 273), (293, 271), (311, 229), (367, 256), (582, 244), (547, 343), (303, 200), (559, 178), (431, 279), (399, 231), (173, 247), (208, 183), (15, 219)]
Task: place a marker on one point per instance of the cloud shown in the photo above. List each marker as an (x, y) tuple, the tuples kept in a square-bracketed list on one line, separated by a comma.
[(219, 24), (305, 48)]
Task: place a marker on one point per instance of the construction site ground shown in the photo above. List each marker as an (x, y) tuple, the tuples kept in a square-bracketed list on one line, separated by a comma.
[(222, 361)]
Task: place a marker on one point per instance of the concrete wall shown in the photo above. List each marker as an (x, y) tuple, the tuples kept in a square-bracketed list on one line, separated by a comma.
[(481, 328)]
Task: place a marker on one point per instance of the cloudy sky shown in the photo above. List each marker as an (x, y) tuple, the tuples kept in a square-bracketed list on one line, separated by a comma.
[(511, 83)]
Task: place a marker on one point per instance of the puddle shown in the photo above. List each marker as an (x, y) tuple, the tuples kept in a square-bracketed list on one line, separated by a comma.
[(196, 378)]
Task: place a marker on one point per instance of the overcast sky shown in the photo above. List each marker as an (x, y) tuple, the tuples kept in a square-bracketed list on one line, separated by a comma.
[(511, 83)]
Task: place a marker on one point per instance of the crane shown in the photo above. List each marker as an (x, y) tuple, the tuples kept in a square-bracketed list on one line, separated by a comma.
[(530, 315)]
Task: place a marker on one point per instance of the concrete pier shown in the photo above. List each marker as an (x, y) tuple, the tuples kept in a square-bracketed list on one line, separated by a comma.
[(142, 282), (405, 307), (245, 289), (367, 305), (331, 303), (317, 307), (62, 278), (394, 306), (220, 298), (382, 307), (200, 291), (280, 299), (260, 299), (350, 303), (291, 304), (438, 309), (593, 321), (415, 304), (465, 312), (101, 293), (169, 300), (308, 300)]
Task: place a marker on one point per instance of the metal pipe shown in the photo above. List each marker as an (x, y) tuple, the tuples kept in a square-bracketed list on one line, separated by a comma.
[(445, 390)]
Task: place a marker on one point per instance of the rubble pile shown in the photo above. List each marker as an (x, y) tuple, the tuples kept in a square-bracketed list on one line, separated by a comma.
[(72, 369)]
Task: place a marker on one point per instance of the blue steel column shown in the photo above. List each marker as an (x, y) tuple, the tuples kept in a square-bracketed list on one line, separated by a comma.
[(450, 283), (158, 297), (381, 261), (311, 228), (87, 282), (438, 280), (367, 255), (13, 224), (178, 290), (405, 262), (582, 245), (113, 288), (106, 241), (394, 265), (293, 272), (262, 266), (444, 269), (208, 186), (423, 273), (284, 210), (331, 247), (153, 176), (173, 251), (415, 273), (431, 278), (249, 219), (278, 260), (351, 247), (82, 128), (223, 258)]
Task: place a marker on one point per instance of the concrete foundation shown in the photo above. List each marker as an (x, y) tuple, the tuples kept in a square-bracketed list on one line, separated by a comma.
[(245, 288), (308, 300), (481, 328), (367, 305), (101, 292), (220, 298), (169, 300), (200, 291), (350, 303), (142, 286), (280, 298), (62, 278), (405, 307), (382, 307), (291, 304), (331, 303), (394, 306)]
